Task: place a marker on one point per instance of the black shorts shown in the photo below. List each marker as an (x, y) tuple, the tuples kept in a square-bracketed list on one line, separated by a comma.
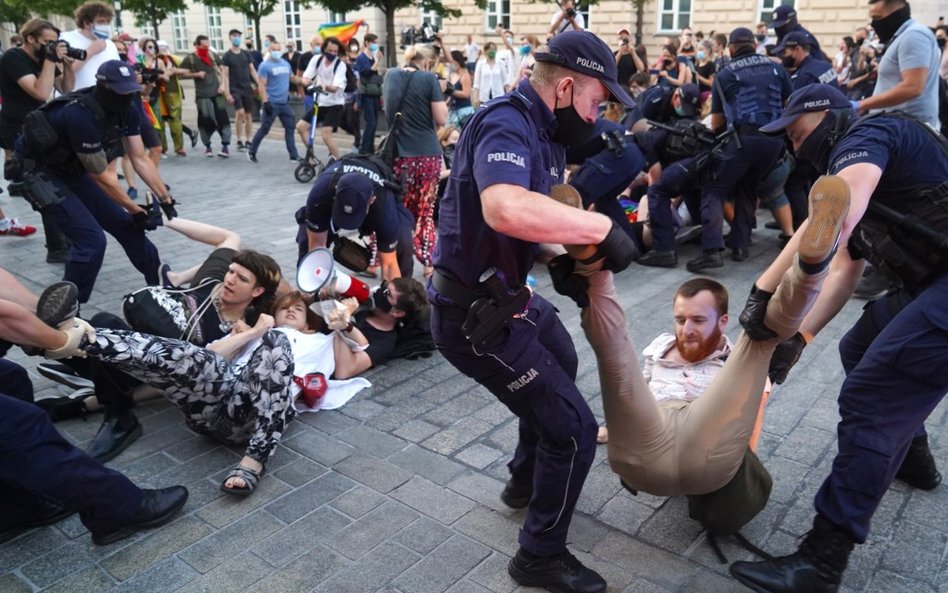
[(243, 99), (215, 266), (150, 135), (330, 116)]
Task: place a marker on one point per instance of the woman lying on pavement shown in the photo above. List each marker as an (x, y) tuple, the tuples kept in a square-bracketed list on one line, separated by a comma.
[(243, 388)]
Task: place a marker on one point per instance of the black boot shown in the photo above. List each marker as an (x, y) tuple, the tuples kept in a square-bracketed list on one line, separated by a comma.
[(918, 469), (157, 508), (516, 496), (659, 259), (708, 259), (817, 567), (561, 573), (119, 430)]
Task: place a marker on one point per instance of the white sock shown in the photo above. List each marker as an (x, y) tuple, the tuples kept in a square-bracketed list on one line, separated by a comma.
[(6, 223)]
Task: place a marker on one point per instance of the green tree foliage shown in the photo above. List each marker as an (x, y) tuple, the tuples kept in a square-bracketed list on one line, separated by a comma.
[(152, 12)]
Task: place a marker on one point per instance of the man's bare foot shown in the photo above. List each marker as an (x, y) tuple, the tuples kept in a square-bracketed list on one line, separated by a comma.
[(603, 437)]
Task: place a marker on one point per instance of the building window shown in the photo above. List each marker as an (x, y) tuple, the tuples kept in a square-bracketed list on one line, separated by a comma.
[(766, 11), (336, 17), (214, 33), (292, 23), (674, 15), (585, 11), (432, 18), (146, 31), (498, 13), (179, 32)]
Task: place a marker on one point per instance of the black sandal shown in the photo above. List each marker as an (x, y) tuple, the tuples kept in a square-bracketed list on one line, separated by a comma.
[(249, 476)]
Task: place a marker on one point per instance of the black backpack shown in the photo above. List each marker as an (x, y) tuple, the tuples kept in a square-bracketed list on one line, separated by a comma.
[(370, 165)]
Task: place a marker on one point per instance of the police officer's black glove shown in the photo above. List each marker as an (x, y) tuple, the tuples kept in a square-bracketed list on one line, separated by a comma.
[(168, 209), (267, 108), (618, 248), (785, 356), (566, 282), (752, 317), (144, 221)]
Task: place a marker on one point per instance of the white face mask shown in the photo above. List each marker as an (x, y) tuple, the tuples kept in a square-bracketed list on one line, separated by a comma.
[(102, 31)]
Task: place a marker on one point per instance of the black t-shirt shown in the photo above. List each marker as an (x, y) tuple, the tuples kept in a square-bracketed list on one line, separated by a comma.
[(625, 68), (207, 278), (238, 69), (706, 71), (14, 65), (381, 343)]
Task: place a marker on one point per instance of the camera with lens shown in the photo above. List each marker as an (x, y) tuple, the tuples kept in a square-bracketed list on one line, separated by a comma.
[(72, 52), (412, 35), (571, 12), (667, 63), (149, 75)]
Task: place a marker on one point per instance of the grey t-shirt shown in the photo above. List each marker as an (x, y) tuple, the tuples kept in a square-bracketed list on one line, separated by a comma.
[(207, 87), (416, 134), (914, 46), (238, 69)]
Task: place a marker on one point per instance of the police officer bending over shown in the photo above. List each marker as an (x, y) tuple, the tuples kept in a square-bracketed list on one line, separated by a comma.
[(748, 93), (60, 167), (489, 325), (358, 194), (895, 355)]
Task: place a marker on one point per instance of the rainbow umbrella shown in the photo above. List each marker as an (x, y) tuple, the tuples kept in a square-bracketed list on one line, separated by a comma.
[(341, 31)]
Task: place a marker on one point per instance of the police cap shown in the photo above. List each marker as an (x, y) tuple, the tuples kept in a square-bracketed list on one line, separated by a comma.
[(809, 99), (583, 52)]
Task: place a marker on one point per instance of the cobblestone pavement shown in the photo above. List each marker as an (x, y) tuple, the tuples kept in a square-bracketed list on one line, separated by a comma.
[(398, 490)]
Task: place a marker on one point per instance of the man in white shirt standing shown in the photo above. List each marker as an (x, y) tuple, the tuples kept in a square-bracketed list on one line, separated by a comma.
[(329, 72), (567, 19), (93, 34), (472, 51)]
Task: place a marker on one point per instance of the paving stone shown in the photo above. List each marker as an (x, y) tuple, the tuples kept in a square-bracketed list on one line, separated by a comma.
[(304, 499), (459, 407), (157, 545), (386, 562), (89, 580), (805, 445), (457, 436), (371, 441), (601, 485), (284, 545), (442, 567), (422, 462), (227, 509), (670, 528), (200, 467), (235, 574), (492, 574), (437, 502), (625, 513), (328, 421), (316, 565), (362, 409), (916, 553), (378, 475), (192, 447), (299, 472), (892, 582), (357, 501), (168, 575), (359, 537), (491, 528), (640, 559), (704, 581), (928, 508), (48, 568), (584, 533), (640, 585), (481, 488), (399, 394), (319, 447), (29, 545), (423, 535), (464, 586), (400, 414), (230, 541), (479, 456), (416, 430), (10, 583)]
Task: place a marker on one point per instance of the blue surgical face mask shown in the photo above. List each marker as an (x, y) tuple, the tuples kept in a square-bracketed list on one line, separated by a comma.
[(102, 31), (235, 41), (524, 50), (373, 47), (700, 55), (317, 50), (276, 54)]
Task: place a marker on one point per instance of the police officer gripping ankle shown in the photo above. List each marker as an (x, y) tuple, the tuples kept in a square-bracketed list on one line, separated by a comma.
[(490, 326)]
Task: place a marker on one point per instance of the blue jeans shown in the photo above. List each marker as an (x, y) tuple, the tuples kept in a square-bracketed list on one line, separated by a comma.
[(287, 120), (370, 111)]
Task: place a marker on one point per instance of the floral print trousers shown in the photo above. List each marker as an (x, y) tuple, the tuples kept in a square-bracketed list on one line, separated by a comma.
[(421, 192), (235, 404)]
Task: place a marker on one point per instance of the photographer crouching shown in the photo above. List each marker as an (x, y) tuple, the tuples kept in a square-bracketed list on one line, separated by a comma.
[(28, 76)]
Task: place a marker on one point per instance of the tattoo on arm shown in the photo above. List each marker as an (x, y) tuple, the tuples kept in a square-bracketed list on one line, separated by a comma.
[(94, 162)]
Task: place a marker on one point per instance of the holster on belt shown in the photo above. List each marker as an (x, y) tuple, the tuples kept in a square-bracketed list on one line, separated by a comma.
[(489, 307)]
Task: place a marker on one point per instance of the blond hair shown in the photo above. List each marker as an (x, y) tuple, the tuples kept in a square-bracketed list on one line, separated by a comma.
[(417, 53)]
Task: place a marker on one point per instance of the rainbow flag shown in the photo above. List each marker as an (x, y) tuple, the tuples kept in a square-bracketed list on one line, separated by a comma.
[(341, 31)]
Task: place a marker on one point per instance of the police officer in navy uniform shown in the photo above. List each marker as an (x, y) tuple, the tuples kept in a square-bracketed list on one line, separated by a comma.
[(748, 93), (804, 69), (352, 194), (69, 181), (785, 22), (487, 322), (895, 355)]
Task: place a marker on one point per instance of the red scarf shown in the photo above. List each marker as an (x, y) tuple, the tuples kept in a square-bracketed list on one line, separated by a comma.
[(205, 54)]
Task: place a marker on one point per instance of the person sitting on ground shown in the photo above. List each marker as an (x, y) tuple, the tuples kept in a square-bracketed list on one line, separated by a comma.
[(397, 325), (242, 388), (43, 477), (355, 194), (697, 447)]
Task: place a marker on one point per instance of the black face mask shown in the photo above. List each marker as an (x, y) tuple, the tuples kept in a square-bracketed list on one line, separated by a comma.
[(941, 43), (886, 27), (781, 31), (760, 38), (113, 103), (816, 148), (571, 128), (380, 298), (449, 155), (788, 62), (123, 57)]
